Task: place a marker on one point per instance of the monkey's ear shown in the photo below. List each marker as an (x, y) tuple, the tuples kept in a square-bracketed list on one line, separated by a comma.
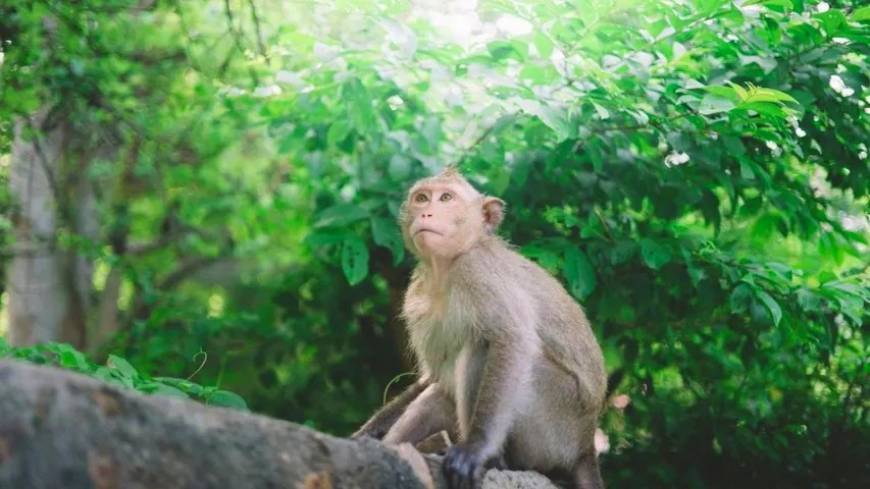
[(493, 212)]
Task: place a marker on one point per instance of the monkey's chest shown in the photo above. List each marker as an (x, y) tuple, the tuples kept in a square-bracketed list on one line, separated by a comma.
[(438, 335)]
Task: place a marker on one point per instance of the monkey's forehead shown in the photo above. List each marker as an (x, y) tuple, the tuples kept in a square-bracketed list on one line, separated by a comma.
[(457, 184)]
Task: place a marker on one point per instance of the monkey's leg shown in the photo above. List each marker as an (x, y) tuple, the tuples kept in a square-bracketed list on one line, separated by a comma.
[(383, 420), (587, 474), (431, 412)]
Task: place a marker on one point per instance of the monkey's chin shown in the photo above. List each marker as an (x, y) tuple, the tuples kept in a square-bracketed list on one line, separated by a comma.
[(428, 244)]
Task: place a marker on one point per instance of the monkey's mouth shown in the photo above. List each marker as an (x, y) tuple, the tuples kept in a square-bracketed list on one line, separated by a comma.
[(426, 230)]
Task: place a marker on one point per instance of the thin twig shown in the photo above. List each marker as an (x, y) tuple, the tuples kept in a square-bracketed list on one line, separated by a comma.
[(605, 226), (260, 44), (237, 42), (480, 139)]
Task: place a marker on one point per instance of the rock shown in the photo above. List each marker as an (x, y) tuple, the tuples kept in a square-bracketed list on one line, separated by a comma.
[(63, 430)]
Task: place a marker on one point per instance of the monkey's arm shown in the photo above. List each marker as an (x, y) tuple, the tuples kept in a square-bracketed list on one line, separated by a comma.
[(432, 411), (378, 425), (503, 386)]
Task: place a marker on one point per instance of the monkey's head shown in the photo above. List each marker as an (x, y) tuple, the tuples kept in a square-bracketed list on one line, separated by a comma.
[(444, 216)]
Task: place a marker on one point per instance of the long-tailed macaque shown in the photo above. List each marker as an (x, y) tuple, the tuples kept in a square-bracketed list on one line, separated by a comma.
[(508, 363)]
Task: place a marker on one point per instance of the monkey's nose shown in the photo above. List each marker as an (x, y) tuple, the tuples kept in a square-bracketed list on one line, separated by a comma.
[(425, 215)]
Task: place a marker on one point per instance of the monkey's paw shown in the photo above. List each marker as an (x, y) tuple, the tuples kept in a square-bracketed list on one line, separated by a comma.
[(463, 466)]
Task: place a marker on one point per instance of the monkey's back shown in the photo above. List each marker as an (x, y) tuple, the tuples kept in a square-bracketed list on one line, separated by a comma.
[(570, 384), (561, 324), (566, 335)]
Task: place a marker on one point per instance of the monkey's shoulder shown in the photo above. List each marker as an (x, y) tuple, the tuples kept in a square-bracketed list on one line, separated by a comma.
[(496, 264)]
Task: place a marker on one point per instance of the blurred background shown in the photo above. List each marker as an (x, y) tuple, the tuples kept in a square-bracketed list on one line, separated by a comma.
[(199, 199)]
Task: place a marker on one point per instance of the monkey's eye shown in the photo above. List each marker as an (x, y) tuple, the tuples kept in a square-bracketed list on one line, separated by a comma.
[(446, 196), (421, 198)]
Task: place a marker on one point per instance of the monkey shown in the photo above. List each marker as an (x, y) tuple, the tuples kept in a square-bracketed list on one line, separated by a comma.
[(509, 365)]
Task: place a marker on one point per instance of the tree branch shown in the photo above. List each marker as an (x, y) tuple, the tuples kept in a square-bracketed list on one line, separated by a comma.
[(256, 20)]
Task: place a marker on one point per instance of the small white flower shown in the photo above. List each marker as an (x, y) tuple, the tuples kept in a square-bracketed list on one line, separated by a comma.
[(799, 132), (234, 92), (840, 40), (676, 159), (839, 86), (867, 110), (774, 148), (862, 155), (822, 7), (267, 91), (841, 68), (395, 102)]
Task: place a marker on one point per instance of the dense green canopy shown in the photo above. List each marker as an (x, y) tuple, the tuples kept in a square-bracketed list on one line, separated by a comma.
[(695, 172)]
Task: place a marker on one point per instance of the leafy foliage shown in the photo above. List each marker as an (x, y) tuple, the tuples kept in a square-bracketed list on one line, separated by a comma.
[(694, 172), (118, 371)]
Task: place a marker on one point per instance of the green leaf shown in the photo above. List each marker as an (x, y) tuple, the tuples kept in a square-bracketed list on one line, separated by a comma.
[(714, 104), (337, 132), (399, 168), (554, 118), (760, 94), (578, 272), (184, 385), (386, 233), (861, 14), (543, 44), (121, 366), (161, 389), (545, 256), (622, 252), (654, 254), (832, 20), (111, 376), (75, 360), (783, 5), (740, 298), (354, 260), (500, 50), (763, 108), (340, 215), (724, 91), (771, 304), (808, 301), (227, 399), (358, 104)]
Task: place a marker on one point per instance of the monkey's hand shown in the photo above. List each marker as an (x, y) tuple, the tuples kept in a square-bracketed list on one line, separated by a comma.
[(463, 466)]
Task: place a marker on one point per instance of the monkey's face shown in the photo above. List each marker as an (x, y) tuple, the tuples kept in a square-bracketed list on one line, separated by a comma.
[(442, 218)]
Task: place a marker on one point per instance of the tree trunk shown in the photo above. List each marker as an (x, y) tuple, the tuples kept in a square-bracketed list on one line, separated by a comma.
[(45, 282), (59, 429)]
